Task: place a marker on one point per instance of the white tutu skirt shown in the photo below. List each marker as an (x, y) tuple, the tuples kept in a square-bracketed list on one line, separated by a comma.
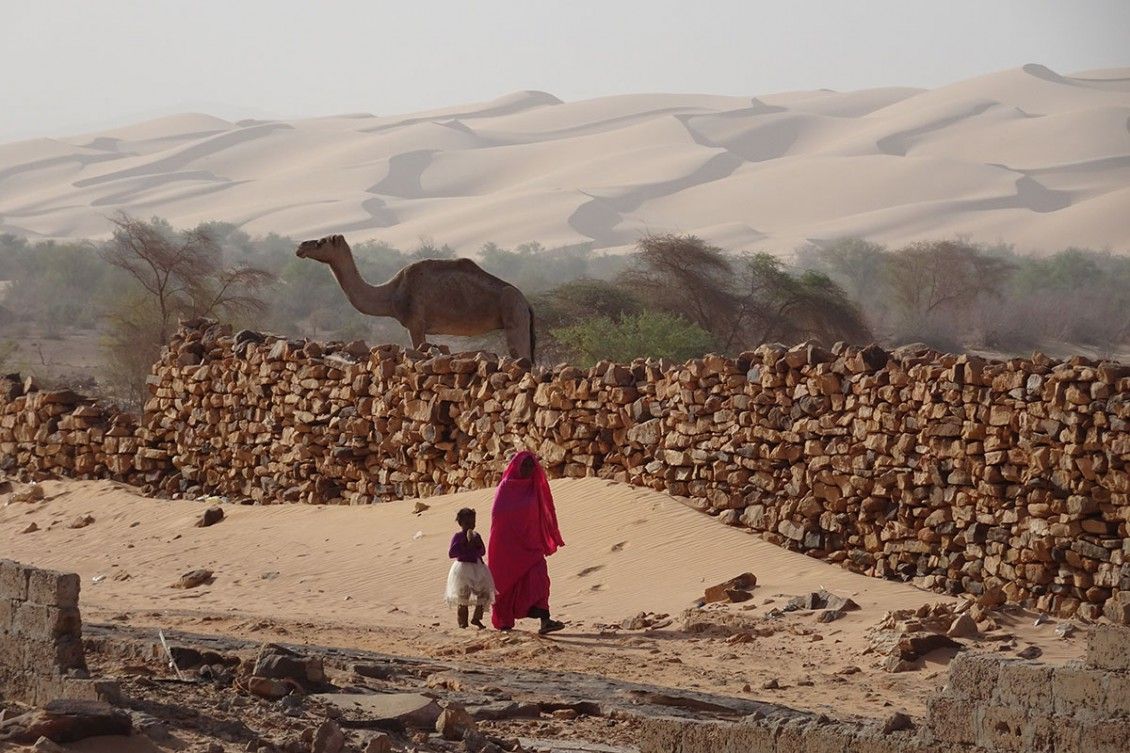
[(469, 584)]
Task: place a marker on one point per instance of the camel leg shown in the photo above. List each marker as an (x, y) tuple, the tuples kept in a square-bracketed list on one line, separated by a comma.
[(517, 324), (417, 335)]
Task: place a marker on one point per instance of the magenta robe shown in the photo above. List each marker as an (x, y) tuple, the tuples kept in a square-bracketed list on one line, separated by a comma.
[(523, 532)]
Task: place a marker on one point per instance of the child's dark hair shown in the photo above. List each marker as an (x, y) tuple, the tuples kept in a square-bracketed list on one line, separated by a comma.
[(465, 514)]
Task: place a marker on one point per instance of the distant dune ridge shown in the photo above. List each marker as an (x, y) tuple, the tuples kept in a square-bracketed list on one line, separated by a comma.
[(1025, 156)]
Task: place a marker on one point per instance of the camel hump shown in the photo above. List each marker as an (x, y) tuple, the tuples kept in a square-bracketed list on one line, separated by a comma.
[(426, 269)]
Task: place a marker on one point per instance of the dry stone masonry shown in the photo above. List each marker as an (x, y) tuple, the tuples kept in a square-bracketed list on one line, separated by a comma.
[(1010, 480), (41, 653)]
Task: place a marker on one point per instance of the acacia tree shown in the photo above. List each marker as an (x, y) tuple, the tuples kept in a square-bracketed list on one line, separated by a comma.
[(934, 282), (741, 301), (171, 275)]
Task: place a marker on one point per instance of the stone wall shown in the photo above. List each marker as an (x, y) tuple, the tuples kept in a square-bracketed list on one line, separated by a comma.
[(1008, 479), (41, 653), (987, 706)]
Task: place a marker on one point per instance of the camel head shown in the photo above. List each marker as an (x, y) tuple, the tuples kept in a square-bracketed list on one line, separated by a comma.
[(326, 250)]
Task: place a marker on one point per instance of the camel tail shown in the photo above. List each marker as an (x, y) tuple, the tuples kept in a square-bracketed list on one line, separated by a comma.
[(533, 338)]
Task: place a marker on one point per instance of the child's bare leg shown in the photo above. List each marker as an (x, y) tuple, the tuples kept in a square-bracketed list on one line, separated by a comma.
[(462, 614), (477, 621)]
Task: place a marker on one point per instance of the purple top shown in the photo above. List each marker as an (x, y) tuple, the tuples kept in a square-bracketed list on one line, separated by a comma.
[(466, 551)]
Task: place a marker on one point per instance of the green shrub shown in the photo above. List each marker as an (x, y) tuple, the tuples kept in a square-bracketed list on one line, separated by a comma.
[(653, 334)]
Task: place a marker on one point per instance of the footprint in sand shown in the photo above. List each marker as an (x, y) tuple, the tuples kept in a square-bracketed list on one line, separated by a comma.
[(619, 547), (589, 570)]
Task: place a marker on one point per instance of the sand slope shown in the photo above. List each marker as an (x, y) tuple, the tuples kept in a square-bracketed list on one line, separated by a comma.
[(372, 577), (1026, 156)]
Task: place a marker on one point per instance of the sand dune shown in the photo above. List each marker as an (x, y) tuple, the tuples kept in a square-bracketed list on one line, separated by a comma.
[(1027, 156)]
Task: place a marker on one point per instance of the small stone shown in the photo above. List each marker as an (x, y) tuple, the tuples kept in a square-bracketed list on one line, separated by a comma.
[(31, 528), (454, 722), (328, 738), (420, 507), (1032, 652), (268, 687), (963, 627), (194, 578), (82, 521), (895, 722), (43, 745), (734, 590), (566, 714), (380, 743), (211, 516), (772, 684)]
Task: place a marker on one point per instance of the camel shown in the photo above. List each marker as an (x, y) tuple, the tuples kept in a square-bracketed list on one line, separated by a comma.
[(433, 296)]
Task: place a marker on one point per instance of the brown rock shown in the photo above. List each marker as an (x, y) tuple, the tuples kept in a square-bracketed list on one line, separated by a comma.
[(963, 626), (65, 721), (733, 591), (194, 578), (268, 687), (379, 743), (211, 516), (454, 722), (328, 738)]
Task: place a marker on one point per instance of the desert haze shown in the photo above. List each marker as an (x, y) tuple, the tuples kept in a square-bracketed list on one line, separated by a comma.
[(1024, 156)]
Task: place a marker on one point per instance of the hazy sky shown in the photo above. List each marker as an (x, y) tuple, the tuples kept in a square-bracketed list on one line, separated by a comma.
[(69, 67)]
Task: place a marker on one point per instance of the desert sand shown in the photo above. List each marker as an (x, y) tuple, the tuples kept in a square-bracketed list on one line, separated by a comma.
[(371, 577), (1026, 156)]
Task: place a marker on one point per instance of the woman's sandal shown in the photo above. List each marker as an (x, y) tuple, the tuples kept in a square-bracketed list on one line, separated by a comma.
[(552, 626)]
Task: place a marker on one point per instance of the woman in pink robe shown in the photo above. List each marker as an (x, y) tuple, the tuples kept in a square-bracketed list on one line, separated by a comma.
[(523, 532)]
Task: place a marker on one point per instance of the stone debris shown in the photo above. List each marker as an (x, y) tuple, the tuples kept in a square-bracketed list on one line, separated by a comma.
[(328, 738), (646, 621), (66, 721), (210, 517), (903, 637), (82, 521), (733, 591), (194, 578), (28, 495), (454, 722)]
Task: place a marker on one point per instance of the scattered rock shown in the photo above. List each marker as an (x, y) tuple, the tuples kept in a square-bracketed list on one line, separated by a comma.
[(1032, 652), (772, 684), (734, 590), (31, 528), (30, 493), (82, 521), (65, 721), (411, 709), (328, 738), (282, 664), (454, 722), (44, 745), (211, 517), (1065, 630), (646, 620), (895, 722), (268, 687), (379, 743), (963, 627), (194, 578), (420, 507)]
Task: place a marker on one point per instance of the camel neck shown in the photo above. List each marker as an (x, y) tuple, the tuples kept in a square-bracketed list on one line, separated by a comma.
[(374, 300)]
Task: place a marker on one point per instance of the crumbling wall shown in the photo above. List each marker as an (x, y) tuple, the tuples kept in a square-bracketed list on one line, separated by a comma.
[(1006, 479), (41, 653), (989, 705)]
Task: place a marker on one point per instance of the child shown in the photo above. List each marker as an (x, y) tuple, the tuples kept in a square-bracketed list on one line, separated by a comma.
[(469, 581)]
